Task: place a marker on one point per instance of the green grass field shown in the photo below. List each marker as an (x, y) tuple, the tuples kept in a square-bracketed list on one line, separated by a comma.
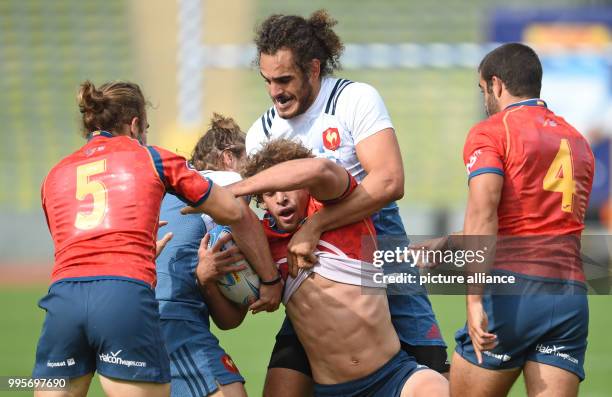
[(250, 344)]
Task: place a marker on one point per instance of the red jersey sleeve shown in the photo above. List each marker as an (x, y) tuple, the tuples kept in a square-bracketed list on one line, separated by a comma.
[(179, 177), (483, 152)]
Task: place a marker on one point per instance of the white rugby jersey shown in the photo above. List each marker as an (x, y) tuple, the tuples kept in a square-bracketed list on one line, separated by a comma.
[(343, 114)]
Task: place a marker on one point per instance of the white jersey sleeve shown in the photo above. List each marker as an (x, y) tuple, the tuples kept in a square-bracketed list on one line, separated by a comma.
[(221, 178), (362, 111)]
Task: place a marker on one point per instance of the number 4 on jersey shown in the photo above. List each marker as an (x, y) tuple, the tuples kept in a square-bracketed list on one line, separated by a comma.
[(560, 176), (84, 187)]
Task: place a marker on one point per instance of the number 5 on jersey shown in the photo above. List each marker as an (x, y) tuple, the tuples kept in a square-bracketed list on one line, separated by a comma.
[(84, 187), (560, 176)]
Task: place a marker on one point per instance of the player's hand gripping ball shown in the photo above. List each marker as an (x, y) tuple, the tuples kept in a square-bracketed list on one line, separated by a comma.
[(242, 286)]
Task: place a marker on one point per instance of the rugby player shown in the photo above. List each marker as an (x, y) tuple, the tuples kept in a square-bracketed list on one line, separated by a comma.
[(348, 123), (102, 208), (339, 312), (530, 175), (199, 366)]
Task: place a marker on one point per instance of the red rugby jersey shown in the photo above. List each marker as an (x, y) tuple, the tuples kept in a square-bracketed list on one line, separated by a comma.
[(102, 206), (548, 172), (357, 240)]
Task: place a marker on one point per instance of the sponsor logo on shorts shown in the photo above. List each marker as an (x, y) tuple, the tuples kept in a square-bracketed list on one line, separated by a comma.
[(555, 350), (434, 332), (501, 357), (113, 358), (64, 363), (228, 363)]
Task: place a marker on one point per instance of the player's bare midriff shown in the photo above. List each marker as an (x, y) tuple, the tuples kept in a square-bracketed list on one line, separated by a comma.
[(346, 329)]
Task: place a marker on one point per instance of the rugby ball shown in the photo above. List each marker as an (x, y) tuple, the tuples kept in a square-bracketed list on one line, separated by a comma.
[(240, 286)]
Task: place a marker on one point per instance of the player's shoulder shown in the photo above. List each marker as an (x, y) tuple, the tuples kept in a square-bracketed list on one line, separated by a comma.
[(158, 151), (359, 87), (344, 93), (263, 124), (75, 157), (560, 120), (493, 126), (313, 206), (356, 99), (221, 178), (260, 130), (125, 144)]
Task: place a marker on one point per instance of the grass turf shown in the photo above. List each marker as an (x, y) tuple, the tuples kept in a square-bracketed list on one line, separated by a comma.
[(250, 344)]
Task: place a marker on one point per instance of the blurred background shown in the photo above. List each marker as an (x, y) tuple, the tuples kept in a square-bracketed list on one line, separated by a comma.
[(193, 57)]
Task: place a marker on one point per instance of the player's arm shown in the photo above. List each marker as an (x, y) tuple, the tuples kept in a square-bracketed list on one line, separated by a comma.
[(380, 156), (249, 236), (212, 264), (221, 205), (225, 209), (480, 230), (187, 183), (362, 111), (225, 313), (324, 179), (483, 200)]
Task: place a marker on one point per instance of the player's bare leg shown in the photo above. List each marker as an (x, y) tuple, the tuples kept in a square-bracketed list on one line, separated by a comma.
[(467, 379), (235, 389), (426, 383), (78, 387), (119, 388), (285, 382), (544, 380)]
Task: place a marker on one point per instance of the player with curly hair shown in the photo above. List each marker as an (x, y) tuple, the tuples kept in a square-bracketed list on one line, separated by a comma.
[(339, 311), (347, 122), (199, 366)]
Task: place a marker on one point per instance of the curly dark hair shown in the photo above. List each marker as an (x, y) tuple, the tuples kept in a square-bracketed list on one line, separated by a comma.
[(308, 39), (274, 152), (223, 134)]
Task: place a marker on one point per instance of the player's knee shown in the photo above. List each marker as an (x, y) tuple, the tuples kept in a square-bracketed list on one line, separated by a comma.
[(426, 383)]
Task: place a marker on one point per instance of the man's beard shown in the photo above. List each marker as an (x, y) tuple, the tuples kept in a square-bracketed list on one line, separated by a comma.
[(491, 105), (304, 101)]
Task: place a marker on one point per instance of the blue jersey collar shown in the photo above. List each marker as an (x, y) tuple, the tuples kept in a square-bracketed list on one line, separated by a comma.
[(94, 134), (529, 102)]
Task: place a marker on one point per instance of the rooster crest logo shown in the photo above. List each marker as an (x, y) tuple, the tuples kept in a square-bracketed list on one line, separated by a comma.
[(228, 363), (331, 138)]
